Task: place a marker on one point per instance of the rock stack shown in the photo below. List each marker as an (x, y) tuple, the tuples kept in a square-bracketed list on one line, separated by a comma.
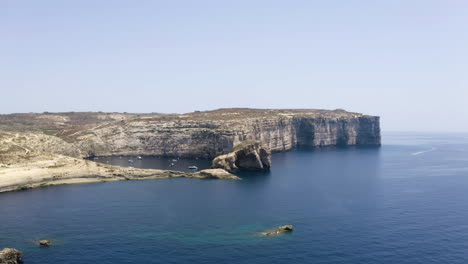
[(249, 156)]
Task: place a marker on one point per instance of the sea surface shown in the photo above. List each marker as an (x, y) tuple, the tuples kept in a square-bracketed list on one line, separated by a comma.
[(406, 202)]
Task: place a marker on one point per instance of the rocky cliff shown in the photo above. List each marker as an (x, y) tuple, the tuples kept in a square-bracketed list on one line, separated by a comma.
[(46, 149), (212, 133), (248, 155)]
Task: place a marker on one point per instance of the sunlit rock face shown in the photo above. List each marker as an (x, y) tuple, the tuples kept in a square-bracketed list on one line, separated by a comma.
[(247, 156), (212, 133)]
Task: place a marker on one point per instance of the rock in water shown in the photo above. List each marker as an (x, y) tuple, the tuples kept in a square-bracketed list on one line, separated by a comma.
[(249, 155), (280, 230), (11, 256), (44, 243), (285, 228)]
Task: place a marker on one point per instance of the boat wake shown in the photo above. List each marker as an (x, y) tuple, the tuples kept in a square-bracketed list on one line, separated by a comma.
[(422, 152)]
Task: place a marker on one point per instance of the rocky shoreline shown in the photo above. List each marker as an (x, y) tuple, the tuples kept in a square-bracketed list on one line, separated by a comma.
[(48, 149), (30, 161), (66, 170)]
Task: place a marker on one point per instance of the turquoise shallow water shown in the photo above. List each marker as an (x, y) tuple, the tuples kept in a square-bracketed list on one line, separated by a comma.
[(405, 202)]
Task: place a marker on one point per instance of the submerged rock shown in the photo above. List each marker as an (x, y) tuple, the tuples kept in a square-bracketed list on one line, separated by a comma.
[(280, 230), (44, 243), (11, 256), (249, 155)]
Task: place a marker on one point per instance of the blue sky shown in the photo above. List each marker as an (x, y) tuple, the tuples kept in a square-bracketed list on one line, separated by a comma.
[(403, 60)]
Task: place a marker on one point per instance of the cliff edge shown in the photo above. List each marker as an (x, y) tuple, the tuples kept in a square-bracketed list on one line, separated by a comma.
[(200, 134)]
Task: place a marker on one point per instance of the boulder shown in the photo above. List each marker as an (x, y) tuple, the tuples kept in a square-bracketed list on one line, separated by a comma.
[(280, 230), (11, 256), (248, 155), (44, 243)]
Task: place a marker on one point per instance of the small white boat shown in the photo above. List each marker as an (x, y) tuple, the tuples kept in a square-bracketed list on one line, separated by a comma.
[(130, 167), (130, 161), (174, 160), (139, 157), (172, 164), (192, 167)]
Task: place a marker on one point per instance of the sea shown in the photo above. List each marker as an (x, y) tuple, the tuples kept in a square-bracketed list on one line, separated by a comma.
[(403, 202)]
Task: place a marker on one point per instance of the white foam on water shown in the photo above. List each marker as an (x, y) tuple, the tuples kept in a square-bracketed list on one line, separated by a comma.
[(422, 152)]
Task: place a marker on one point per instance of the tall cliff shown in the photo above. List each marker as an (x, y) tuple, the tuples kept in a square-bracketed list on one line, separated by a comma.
[(212, 133)]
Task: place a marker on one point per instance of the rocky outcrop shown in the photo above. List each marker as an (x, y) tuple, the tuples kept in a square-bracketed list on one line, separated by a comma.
[(44, 243), (213, 133), (249, 155), (280, 230), (11, 256), (217, 174)]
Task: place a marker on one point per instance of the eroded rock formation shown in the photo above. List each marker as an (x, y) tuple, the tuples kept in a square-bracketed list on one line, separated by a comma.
[(249, 155), (44, 243)]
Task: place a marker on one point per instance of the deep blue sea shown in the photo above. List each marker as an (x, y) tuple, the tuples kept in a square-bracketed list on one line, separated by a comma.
[(406, 202)]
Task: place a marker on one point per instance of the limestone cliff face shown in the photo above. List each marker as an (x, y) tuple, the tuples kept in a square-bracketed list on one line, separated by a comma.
[(209, 134), (249, 155), (286, 133), (157, 137), (198, 134)]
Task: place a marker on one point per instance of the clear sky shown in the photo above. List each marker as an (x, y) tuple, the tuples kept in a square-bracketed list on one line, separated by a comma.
[(405, 60)]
